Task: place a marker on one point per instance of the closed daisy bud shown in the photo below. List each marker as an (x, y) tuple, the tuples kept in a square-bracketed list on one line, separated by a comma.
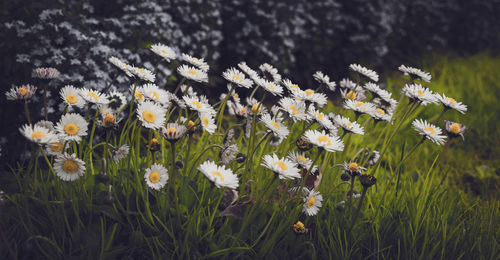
[(353, 169), (345, 176), (304, 145), (299, 228), (154, 145), (454, 129), (240, 158), (367, 180)]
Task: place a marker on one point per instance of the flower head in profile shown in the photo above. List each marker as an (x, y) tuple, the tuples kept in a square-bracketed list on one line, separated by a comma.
[(415, 73), (94, 96), (199, 105), (38, 134), (312, 203), (71, 96), (143, 74), (199, 63), (207, 122), (55, 147), (295, 109), (271, 87), (249, 71), (348, 126), (430, 131), (275, 125), (72, 127), (156, 176), (349, 84), (270, 72), (121, 65), (351, 94), (164, 51), (379, 114), (323, 140), (359, 107), (23, 92), (301, 159), (324, 80), (319, 117), (451, 103), (219, 175), (285, 168), (353, 169), (152, 115), (69, 167), (237, 77), (45, 73), (364, 71), (455, 129), (228, 153), (193, 73), (173, 132), (418, 93), (312, 96)]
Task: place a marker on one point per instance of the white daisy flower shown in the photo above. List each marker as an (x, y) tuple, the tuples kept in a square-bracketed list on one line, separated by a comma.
[(430, 131), (249, 71), (193, 73), (284, 167), (194, 103), (23, 92), (417, 92), (319, 117), (94, 96), (409, 71), (152, 115), (121, 65), (173, 132), (45, 73), (324, 80), (451, 103), (55, 147), (359, 106), (296, 110), (120, 153), (156, 94), (300, 159), (219, 175), (377, 91), (143, 74), (311, 95), (275, 125), (381, 115), (72, 127), (199, 63), (208, 122), (312, 203), (38, 134), (237, 77), (271, 72), (164, 51), (228, 153), (69, 167), (291, 86), (364, 71), (117, 101), (271, 87), (71, 96), (347, 125), (351, 94), (323, 140), (138, 93), (347, 83), (156, 176)]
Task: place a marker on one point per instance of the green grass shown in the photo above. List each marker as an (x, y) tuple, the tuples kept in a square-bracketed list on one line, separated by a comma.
[(447, 205)]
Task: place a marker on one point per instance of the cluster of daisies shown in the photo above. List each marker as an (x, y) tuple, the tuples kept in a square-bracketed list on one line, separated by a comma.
[(154, 108)]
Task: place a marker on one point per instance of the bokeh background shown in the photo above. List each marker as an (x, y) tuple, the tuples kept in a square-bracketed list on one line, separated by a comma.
[(298, 37)]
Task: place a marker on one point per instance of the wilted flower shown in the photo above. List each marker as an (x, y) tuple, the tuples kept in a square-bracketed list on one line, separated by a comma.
[(303, 144), (120, 153), (228, 153), (367, 180)]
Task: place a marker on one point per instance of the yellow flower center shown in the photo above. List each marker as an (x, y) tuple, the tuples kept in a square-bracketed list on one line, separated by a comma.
[(429, 129), (70, 166), (56, 147), (141, 70), (455, 128), (93, 95), (353, 166), (171, 130), (189, 124), (420, 93), (294, 86), (349, 124), (323, 139), (255, 108), (109, 119), (149, 116), (309, 92), (282, 165), (451, 100), (236, 95), (310, 202), (154, 177), (37, 135), (358, 104), (205, 121), (139, 96), (164, 51), (71, 129), (271, 86), (236, 77), (380, 111), (197, 104), (275, 125), (154, 95), (301, 158), (154, 141), (293, 109), (22, 91), (351, 95), (193, 72), (319, 115), (218, 174), (71, 99)]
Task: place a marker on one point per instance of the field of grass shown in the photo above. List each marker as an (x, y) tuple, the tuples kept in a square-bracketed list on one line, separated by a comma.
[(444, 206)]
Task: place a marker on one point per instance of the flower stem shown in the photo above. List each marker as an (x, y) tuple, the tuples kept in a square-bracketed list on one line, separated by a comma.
[(358, 209), (27, 112), (398, 167)]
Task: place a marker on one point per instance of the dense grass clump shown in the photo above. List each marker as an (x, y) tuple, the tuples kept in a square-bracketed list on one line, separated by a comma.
[(415, 200)]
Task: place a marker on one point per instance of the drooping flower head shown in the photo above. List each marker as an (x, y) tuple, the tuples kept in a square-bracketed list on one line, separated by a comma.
[(455, 129)]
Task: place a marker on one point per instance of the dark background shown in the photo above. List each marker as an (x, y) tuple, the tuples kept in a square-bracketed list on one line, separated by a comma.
[(298, 37)]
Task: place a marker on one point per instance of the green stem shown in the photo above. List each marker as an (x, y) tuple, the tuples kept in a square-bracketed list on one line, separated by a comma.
[(27, 112), (90, 141), (356, 213), (398, 167)]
